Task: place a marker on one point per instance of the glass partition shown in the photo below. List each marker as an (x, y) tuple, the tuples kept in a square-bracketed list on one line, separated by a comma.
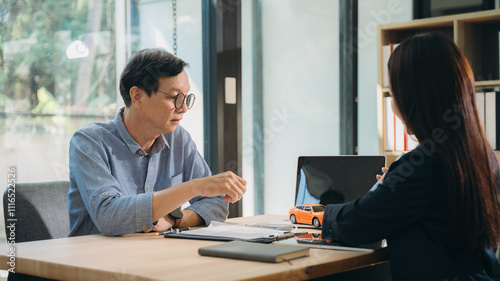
[(300, 64), (152, 25)]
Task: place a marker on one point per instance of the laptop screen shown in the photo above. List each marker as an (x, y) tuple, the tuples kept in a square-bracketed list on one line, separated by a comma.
[(335, 179)]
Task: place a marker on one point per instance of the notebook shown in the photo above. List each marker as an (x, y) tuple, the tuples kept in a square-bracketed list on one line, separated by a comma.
[(254, 251), (335, 179)]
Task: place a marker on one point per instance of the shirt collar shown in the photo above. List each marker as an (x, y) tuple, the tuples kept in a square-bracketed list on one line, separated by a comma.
[(158, 145)]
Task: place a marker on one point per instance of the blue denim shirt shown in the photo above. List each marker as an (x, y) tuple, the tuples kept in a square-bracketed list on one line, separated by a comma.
[(113, 179)]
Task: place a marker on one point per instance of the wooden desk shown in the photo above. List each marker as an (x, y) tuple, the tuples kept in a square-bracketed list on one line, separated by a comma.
[(143, 256)]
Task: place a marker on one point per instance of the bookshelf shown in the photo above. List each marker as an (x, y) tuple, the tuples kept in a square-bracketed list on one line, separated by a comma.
[(477, 34)]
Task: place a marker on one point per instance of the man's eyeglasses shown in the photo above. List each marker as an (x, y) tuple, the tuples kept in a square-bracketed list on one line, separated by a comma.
[(180, 98)]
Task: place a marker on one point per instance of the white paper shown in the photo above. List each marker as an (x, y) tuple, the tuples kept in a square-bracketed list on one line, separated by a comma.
[(219, 229)]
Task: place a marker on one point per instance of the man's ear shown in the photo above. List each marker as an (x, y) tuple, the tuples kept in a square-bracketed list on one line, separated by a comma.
[(136, 96)]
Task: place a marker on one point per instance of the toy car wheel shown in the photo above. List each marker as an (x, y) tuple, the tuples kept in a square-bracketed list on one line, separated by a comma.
[(293, 219), (316, 222)]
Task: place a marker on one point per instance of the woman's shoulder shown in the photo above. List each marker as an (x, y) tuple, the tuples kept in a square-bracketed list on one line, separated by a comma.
[(419, 167), (420, 158)]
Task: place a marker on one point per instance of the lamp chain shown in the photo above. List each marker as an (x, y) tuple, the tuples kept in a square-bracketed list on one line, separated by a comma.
[(174, 19)]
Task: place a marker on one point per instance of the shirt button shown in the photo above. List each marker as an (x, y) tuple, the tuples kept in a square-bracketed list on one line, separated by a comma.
[(105, 194), (140, 152), (144, 227)]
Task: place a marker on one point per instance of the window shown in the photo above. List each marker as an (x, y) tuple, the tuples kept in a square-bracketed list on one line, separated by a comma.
[(57, 74), (318, 209), (60, 69), (152, 26), (300, 93)]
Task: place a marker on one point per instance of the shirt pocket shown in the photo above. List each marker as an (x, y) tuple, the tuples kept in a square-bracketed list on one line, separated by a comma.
[(176, 179)]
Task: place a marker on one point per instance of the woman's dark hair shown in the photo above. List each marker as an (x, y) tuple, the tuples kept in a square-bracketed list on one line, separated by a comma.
[(144, 69), (432, 84)]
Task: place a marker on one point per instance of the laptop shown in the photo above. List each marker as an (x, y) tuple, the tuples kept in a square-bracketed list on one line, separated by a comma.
[(330, 180), (335, 179)]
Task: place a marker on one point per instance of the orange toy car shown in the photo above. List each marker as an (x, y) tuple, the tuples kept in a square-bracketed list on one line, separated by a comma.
[(307, 214)]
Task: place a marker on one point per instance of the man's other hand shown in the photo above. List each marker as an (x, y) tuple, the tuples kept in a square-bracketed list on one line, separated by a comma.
[(228, 184)]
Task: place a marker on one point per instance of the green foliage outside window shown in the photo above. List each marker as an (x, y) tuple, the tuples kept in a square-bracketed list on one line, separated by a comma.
[(36, 75)]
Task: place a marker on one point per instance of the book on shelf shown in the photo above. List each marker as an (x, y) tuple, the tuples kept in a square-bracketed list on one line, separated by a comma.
[(487, 65), (390, 122), (400, 133), (396, 137), (386, 53), (480, 107), (254, 251), (488, 109), (490, 118)]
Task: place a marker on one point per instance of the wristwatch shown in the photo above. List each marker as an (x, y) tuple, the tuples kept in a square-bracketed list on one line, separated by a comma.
[(176, 215)]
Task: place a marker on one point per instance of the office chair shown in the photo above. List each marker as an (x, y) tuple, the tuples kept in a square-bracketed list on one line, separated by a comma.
[(40, 210)]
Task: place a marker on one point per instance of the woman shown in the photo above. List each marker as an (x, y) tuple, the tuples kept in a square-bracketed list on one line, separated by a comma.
[(438, 205)]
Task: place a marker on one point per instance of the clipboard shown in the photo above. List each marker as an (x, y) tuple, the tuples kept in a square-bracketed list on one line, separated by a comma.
[(186, 235), (218, 231)]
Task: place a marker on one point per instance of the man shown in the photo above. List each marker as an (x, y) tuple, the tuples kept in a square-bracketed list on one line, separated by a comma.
[(129, 174)]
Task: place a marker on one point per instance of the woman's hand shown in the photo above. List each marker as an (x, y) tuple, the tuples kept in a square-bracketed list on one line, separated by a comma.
[(381, 177)]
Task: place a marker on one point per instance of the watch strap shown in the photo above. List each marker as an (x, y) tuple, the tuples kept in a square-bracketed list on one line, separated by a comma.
[(176, 215), (177, 222)]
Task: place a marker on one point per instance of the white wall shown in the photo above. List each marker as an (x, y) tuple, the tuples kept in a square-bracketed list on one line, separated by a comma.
[(370, 14), (156, 31), (247, 106), (300, 79)]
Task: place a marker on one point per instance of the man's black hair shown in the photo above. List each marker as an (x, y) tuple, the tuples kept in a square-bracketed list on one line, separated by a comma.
[(144, 69)]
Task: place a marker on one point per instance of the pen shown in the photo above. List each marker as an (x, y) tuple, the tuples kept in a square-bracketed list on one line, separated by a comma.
[(173, 230), (284, 235)]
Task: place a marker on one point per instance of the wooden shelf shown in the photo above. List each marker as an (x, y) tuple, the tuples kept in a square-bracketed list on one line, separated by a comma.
[(472, 32), (478, 84), (487, 84), (390, 156)]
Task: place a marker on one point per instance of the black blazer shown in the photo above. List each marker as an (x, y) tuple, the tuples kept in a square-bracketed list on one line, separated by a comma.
[(409, 210)]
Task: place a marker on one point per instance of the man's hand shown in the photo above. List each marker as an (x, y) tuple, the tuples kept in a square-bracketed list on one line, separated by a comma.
[(161, 226), (227, 184)]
